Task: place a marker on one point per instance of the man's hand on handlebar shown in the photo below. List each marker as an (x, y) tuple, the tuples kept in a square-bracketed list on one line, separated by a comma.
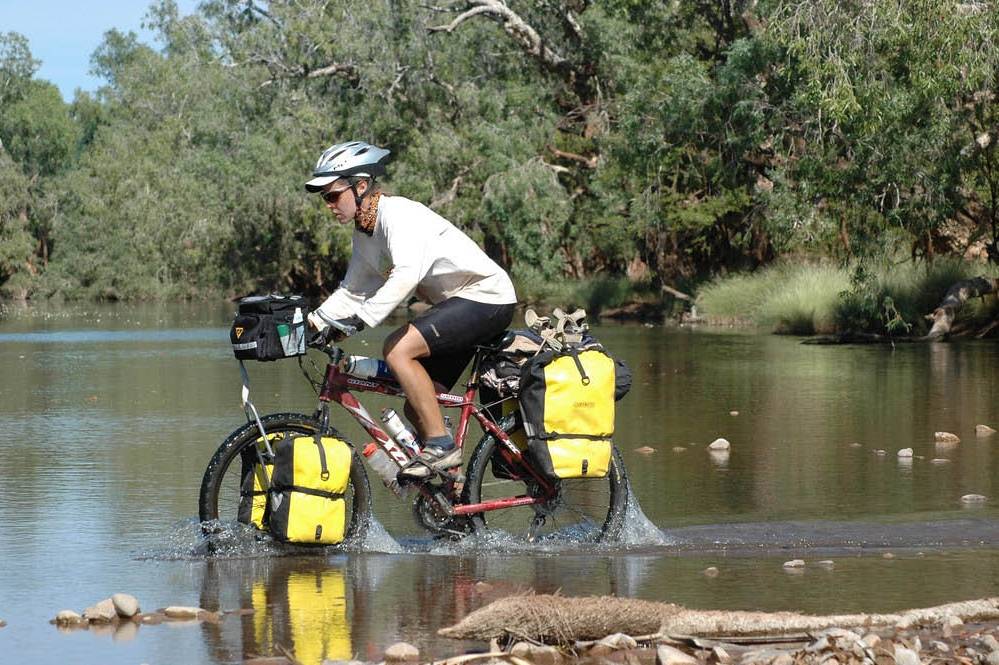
[(332, 330)]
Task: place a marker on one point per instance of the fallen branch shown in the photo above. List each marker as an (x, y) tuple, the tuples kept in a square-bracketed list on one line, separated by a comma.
[(561, 620), (679, 295), (945, 313)]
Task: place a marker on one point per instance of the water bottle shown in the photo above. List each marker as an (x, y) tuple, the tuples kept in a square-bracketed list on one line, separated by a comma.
[(366, 368), (398, 431), (384, 466)]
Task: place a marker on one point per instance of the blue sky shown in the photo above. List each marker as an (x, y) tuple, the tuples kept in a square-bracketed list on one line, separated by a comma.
[(63, 34)]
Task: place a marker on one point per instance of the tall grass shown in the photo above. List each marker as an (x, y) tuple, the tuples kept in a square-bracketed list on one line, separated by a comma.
[(806, 299), (593, 294)]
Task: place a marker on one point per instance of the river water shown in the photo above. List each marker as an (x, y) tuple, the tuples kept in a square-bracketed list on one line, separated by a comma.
[(109, 414)]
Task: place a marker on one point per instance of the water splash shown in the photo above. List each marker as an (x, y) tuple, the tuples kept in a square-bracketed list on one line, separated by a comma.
[(638, 530), (377, 539), (190, 539)]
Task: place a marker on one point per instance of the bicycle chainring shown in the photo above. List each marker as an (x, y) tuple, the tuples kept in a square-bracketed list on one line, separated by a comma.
[(431, 516)]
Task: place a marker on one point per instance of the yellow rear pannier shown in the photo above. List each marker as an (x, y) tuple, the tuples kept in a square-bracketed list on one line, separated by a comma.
[(308, 483), (567, 404)]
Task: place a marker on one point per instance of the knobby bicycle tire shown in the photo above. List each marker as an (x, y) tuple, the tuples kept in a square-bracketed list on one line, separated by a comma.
[(223, 471), (589, 510)]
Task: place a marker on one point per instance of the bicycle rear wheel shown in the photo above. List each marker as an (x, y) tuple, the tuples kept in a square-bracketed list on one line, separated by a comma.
[(583, 509), (224, 481)]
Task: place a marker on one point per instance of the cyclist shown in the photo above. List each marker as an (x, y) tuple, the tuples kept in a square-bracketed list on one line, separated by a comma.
[(401, 247)]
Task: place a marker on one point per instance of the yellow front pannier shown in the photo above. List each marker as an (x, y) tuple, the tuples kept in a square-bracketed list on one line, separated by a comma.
[(567, 404), (309, 479), (255, 479)]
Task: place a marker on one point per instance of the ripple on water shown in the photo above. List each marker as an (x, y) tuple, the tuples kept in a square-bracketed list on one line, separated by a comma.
[(189, 539)]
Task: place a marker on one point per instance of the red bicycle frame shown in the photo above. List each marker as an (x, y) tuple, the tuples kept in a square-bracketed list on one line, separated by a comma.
[(336, 388)]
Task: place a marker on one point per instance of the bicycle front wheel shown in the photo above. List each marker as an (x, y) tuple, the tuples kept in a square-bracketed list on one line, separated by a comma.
[(582, 509), (224, 484)]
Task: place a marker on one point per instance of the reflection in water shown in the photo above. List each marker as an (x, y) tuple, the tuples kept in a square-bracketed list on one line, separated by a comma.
[(302, 606)]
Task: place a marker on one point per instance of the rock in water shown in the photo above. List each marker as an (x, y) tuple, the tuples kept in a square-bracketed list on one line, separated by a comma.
[(68, 618), (974, 498), (667, 655), (182, 612), (102, 612), (645, 450), (794, 563), (719, 444), (946, 437), (125, 605), (619, 641), (984, 430), (711, 571), (402, 651), (905, 452)]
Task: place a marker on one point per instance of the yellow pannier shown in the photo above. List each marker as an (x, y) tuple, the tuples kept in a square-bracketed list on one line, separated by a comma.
[(255, 479), (567, 404), (308, 483)]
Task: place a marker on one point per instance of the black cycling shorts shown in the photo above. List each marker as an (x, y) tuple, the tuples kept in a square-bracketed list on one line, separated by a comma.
[(452, 329)]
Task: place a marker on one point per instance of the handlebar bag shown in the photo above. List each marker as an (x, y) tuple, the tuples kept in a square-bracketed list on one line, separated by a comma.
[(567, 405), (269, 327), (310, 477)]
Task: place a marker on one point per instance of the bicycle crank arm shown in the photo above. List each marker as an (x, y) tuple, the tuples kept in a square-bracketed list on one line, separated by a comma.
[(498, 504)]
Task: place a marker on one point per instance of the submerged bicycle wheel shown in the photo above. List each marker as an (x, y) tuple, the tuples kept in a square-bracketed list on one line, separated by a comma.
[(226, 484), (582, 510)]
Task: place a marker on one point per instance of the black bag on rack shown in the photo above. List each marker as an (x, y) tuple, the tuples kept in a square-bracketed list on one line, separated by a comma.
[(269, 327)]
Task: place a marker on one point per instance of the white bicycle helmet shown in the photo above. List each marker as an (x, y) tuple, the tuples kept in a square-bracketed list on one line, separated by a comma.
[(354, 158)]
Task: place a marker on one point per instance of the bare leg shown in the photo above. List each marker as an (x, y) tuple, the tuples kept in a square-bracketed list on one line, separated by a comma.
[(402, 350)]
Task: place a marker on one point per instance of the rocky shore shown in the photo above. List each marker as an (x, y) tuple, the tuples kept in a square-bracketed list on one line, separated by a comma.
[(557, 630)]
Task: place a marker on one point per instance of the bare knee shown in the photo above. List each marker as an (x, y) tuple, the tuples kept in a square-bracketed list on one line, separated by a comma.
[(403, 345)]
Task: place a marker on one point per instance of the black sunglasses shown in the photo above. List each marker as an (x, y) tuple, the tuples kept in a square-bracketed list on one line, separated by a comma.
[(331, 197)]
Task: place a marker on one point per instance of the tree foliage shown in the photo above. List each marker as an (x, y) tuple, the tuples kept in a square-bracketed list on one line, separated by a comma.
[(572, 138)]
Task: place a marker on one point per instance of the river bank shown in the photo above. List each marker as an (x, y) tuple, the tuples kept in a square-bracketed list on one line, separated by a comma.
[(825, 298)]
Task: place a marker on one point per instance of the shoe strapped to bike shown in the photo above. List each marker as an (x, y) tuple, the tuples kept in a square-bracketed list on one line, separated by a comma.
[(432, 460)]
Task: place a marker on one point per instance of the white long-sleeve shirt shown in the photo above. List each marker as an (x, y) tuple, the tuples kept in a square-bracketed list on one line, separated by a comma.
[(412, 249)]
